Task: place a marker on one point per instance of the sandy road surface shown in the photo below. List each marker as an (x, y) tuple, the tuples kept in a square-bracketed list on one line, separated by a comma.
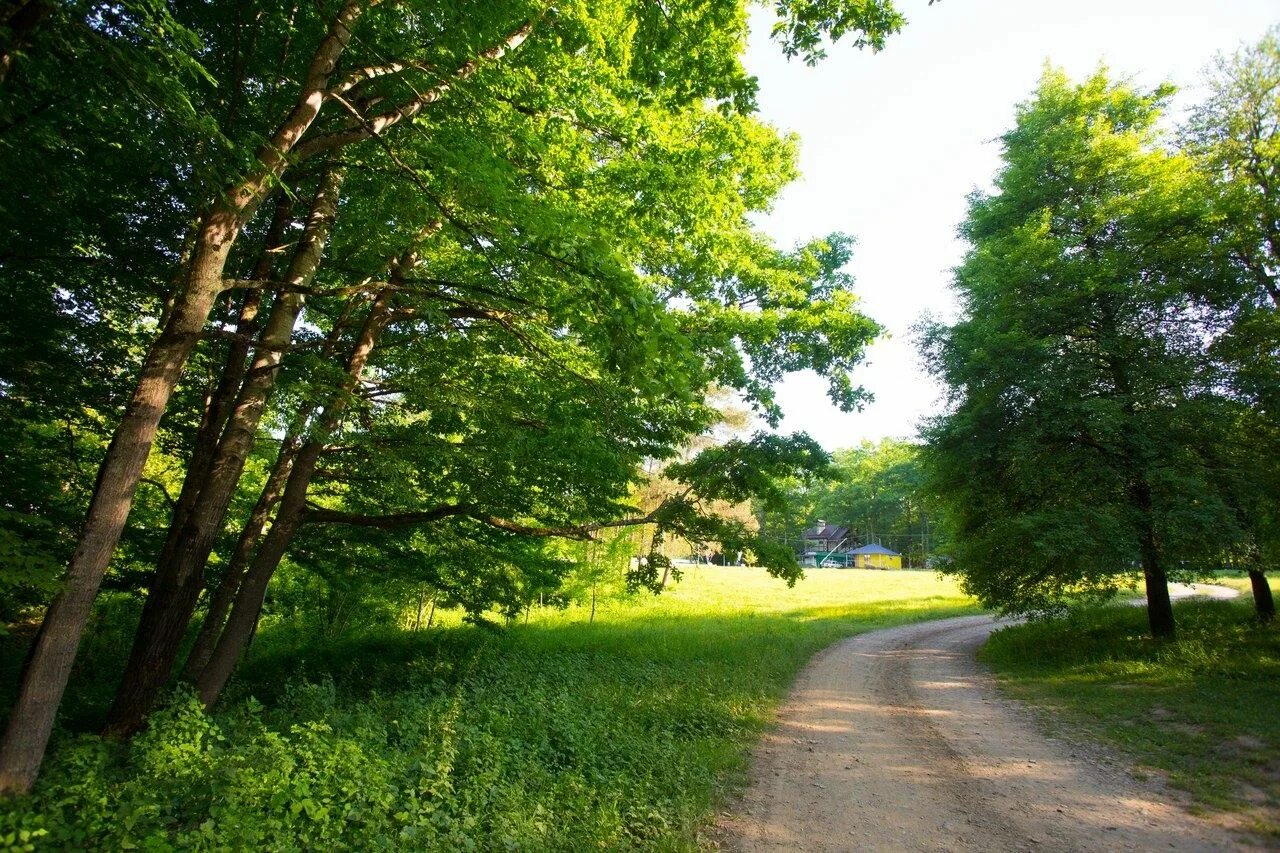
[(897, 740)]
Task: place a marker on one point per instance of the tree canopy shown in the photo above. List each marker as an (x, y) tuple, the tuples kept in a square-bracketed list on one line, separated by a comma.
[(421, 280), (1079, 370)]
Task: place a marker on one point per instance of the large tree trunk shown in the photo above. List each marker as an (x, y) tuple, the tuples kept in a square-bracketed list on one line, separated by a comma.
[(1159, 604), (48, 665), (179, 578), (1263, 602), (220, 402), (249, 598)]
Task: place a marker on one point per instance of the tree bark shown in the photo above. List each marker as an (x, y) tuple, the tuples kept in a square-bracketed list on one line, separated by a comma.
[(252, 592), (1263, 602), (250, 536), (422, 602), (219, 406), (48, 666), (1159, 604), (176, 585), (249, 597)]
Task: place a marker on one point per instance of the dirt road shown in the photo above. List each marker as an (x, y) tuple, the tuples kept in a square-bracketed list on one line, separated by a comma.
[(897, 740)]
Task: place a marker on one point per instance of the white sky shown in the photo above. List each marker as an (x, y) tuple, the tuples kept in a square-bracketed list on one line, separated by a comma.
[(891, 144)]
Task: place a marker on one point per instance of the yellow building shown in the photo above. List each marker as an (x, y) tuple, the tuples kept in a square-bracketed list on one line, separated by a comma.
[(875, 557)]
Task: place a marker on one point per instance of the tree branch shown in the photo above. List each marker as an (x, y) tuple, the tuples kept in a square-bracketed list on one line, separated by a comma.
[(164, 492), (376, 125), (403, 519)]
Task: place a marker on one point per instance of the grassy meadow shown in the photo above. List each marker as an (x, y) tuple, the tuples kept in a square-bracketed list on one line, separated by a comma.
[(555, 734), (1200, 710)]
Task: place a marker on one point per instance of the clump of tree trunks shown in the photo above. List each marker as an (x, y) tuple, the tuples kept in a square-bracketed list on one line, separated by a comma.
[(422, 284)]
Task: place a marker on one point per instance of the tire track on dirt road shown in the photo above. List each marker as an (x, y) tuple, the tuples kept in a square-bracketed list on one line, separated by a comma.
[(898, 740)]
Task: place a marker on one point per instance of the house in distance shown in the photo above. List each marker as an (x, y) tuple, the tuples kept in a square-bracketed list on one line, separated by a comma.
[(835, 545), (875, 557)]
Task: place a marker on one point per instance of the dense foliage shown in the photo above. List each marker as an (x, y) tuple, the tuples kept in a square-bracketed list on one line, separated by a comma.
[(1091, 405), (382, 297), (875, 490)]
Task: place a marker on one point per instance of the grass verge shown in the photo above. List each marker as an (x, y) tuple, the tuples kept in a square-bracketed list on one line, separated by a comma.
[(1201, 709), (556, 735)]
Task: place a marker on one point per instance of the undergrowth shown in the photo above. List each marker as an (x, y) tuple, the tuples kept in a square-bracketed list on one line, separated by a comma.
[(555, 735)]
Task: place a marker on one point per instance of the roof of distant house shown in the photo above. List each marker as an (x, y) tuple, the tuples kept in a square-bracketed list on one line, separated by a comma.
[(875, 549), (827, 531)]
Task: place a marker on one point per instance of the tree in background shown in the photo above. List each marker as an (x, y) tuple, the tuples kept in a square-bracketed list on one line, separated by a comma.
[(876, 491), (1235, 136), (1079, 372)]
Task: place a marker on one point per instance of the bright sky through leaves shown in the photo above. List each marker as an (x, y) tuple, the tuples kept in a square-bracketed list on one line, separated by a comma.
[(891, 144)]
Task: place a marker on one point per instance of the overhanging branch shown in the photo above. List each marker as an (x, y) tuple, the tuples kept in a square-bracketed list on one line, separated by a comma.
[(405, 519)]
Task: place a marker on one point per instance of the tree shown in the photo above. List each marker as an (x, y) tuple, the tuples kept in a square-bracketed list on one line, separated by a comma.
[(1079, 370), (1235, 136), (281, 95)]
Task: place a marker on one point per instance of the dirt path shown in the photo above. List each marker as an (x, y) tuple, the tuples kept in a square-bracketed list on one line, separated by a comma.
[(897, 740)]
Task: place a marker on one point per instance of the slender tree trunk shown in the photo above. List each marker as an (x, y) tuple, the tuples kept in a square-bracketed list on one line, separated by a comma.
[(422, 602), (48, 665), (250, 536), (176, 585), (1263, 602), (431, 616), (249, 597), (252, 592), (1159, 604)]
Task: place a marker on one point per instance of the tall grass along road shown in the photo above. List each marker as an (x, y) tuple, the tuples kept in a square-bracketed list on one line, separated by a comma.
[(1200, 711)]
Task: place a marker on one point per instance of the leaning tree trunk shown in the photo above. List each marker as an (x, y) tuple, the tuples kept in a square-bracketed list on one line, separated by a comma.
[(221, 402), (225, 592), (251, 535), (177, 582), (249, 598), (48, 665)]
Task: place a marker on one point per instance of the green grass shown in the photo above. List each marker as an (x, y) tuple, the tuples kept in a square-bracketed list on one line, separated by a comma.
[(1239, 581), (1202, 710), (558, 734)]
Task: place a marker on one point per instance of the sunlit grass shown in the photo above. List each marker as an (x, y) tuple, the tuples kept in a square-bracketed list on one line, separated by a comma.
[(562, 733)]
